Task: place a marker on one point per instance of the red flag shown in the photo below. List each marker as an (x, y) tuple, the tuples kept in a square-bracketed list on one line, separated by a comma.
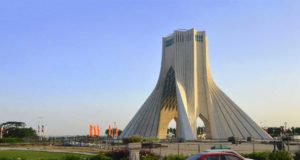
[(95, 130), (98, 130), (117, 134), (91, 130)]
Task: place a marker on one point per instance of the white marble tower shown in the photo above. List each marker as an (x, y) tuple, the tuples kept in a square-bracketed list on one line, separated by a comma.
[(185, 91)]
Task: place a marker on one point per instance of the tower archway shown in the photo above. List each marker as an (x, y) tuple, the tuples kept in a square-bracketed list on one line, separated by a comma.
[(168, 108), (172, 129), (200, 129)]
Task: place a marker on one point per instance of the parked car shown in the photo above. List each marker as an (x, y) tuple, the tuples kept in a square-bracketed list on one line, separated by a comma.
[(226, 151), (216, 156)]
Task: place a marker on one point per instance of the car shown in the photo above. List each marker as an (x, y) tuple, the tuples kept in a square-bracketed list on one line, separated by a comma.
[(225, 150), (220, 147), (216, 156)]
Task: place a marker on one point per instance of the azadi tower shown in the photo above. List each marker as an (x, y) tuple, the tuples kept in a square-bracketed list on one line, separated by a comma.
[(185, 91)]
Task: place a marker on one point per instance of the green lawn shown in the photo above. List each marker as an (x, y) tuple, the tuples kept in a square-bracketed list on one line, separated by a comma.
[(36, 155)]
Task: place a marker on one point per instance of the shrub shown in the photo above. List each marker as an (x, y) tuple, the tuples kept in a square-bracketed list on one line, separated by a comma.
[(118, 154), (71, 157), (12, 159), (147, 155), (150, 139), (297, 155), (280, 155), (149, 158), (133, 139), (100, 156), (124, 155), (175, 157), (258, 155), (11, 140)]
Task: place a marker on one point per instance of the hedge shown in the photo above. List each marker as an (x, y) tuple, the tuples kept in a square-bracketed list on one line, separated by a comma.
[(11, 140)]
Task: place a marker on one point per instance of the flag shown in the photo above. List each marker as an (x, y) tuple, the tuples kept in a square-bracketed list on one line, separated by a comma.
[(91, 130), (98, 130), (117, 134), (95, 131)]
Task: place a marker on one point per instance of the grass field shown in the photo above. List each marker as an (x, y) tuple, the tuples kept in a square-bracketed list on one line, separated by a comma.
[(36, 155)]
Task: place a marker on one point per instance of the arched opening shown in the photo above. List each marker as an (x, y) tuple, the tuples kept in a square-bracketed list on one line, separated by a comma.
[(200, 129), (172, 129)]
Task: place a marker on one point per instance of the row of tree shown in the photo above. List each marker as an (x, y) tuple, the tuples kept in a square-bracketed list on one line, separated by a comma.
[(273, 131), (17, 130), (200, 130), (277, 131), (114, 130)]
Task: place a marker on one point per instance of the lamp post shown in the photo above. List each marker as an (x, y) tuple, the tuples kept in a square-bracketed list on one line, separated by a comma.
[(285, 124)]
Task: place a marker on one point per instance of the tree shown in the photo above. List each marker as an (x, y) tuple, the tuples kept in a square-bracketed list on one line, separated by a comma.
[(11, 124), (274, 131), (200, 130), (297, 130), (172, 131), (20, 132), (17, 130), (114, 131), (293, 130)]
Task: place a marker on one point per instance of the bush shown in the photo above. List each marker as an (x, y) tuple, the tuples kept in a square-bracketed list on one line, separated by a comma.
[(71, 157), (12, 159), (100, 156), (150, 139), (175, 157), (280, 155), (297, 155), (133, 139), (118, 154), (147, 155), (258, 155), (148, 158), (124, 155), (11, 140)]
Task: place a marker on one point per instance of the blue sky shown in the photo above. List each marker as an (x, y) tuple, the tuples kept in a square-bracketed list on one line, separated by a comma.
[(80, 62)]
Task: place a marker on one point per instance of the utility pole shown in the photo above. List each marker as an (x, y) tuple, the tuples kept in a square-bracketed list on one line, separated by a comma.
[(41, 128)]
